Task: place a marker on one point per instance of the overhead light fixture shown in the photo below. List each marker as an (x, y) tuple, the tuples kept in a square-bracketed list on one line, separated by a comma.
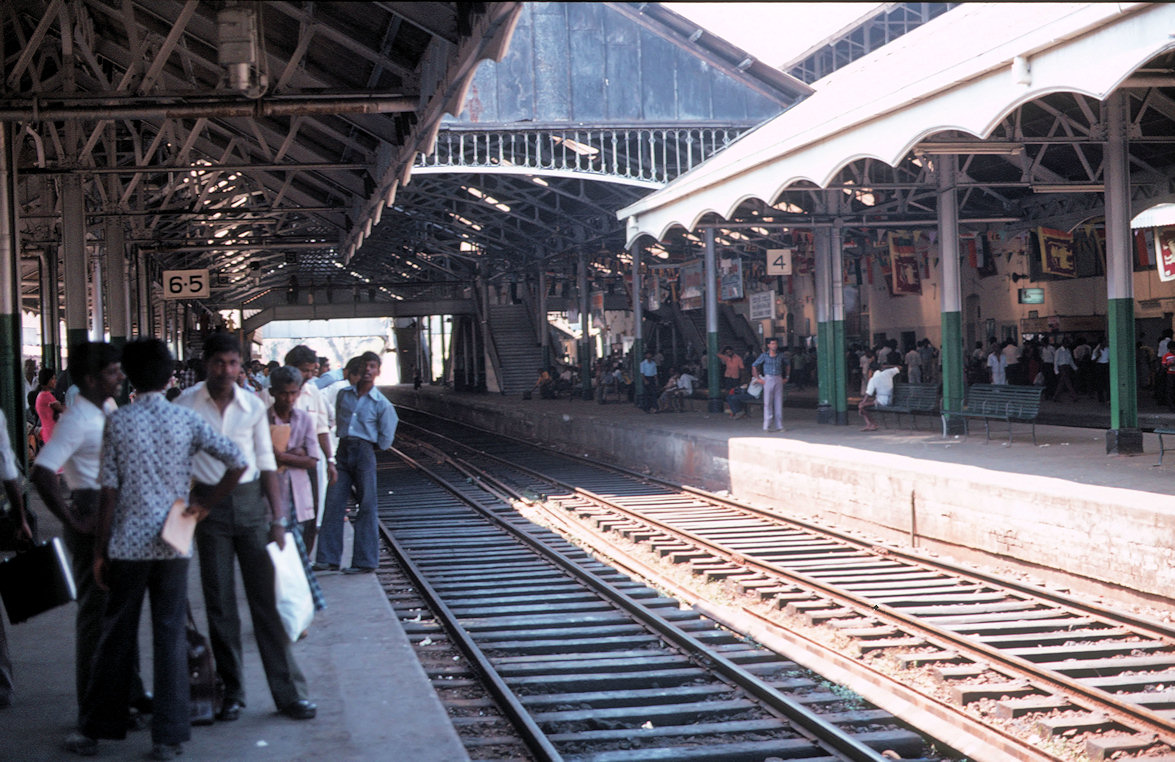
[(1068, 188), (965, 147)]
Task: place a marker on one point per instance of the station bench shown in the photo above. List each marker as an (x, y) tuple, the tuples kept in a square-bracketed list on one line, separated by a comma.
[(1001, 402), (1162, 445), (910, 399)]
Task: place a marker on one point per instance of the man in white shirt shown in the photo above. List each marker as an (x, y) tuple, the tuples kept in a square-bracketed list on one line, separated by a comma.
[(879, 391), (76, 451), (10, 475), (240, 526)]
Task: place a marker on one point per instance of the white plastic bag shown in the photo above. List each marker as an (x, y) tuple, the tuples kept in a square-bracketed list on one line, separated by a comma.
[(294, 603)]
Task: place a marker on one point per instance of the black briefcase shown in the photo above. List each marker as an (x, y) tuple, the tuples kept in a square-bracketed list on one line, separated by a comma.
[(207, 692), (36, 580)]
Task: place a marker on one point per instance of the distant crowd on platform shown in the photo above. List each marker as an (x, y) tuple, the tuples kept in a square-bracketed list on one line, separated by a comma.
[(253, 454)]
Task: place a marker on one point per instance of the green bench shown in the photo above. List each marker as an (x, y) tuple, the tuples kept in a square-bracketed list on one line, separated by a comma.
[(910, 399), (1162, 445), (1001, 402)]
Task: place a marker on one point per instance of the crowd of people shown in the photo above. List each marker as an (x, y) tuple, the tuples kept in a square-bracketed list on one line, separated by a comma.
[(254, 454)]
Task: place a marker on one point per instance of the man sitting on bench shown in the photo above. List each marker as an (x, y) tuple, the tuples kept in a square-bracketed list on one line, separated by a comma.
[(879, 391)]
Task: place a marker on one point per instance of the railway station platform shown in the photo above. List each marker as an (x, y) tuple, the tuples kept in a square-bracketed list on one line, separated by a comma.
[(374, 700), (1062, 512)]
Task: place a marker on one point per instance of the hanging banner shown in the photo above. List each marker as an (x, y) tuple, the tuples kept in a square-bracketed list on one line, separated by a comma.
[(730, 279), (1145, 256), (1056, 252), (654, 292), (693, 286), (597, 301), (904, 264), (762, 305), (1165, 246)]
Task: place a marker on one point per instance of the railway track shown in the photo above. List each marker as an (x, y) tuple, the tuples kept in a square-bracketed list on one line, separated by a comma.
[(1024, 665), (585, 663)]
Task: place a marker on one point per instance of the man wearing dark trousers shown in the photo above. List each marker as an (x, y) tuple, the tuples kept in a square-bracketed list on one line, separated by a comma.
[(146, 471), (239, 527), (76, 451), (366, 421)]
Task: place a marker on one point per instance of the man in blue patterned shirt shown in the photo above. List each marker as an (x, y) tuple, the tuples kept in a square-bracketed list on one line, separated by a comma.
[(146, 468), (772, 368), (366, 421)]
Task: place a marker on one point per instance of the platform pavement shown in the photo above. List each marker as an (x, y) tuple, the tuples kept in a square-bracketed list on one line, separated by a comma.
[(374, 699), (1071, 446)]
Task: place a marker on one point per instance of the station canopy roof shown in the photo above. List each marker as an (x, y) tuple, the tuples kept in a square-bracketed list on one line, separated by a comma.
[(253, 138), (1017, 76)]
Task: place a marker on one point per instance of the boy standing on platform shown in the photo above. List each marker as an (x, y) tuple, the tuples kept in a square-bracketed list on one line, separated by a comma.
[(366, 422), (239, 527), (76, 451)]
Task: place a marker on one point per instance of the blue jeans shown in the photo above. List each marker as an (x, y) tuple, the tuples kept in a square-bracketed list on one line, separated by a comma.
[(355, 461)]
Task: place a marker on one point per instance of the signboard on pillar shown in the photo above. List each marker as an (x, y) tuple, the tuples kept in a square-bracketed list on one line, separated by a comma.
[(779, 261), (1165, 244), (762, 305), (186, 284)]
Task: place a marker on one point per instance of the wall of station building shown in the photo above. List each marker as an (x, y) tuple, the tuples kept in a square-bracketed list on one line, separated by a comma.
[(990, 299)]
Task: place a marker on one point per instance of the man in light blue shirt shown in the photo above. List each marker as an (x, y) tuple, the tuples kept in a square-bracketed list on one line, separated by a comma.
[(648, 370), (365, 421)]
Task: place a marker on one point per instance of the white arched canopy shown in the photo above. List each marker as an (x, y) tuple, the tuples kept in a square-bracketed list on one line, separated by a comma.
[(964, 71)]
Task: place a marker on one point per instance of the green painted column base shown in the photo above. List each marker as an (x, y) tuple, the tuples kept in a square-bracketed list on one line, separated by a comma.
[(952, 373), (825, 370), (1124, 437), (1124, 442), (713, 377), (638, 381), (11, 389), (839, 371)]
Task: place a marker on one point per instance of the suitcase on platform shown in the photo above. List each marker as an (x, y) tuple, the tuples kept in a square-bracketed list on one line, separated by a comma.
[(207, 692), (36, 580)]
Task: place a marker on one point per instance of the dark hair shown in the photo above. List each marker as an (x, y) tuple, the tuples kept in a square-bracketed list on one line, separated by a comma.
[(221, 342), (284, 376), (323, 360), (147, 363), (91, 358), (45, 375), (367, 357), (300, 355), (354, 366), (173, 392)]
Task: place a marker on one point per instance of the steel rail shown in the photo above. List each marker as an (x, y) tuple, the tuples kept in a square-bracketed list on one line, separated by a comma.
[(942, 720), (805, 721), (1148, 627), (532, 735), (1129, 714)]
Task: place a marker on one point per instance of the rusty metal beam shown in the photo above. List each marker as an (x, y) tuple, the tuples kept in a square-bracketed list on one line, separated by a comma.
[(221, 108)]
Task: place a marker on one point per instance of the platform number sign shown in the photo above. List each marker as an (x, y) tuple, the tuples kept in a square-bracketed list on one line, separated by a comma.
[(779, 261), (186, 284)]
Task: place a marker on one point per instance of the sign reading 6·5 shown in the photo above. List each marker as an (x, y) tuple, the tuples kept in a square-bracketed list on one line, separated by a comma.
[(186, 284)]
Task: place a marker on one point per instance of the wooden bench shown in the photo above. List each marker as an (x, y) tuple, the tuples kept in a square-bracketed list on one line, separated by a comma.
[(910, 399), (1162, 445), (1001, 402)]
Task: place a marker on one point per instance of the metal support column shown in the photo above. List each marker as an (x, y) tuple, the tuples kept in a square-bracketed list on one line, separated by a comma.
[(585, 349), (11, 381), (73, 238), (145, 309), (951, 306), (50, 309), (638, 323), (713, 378), (98, 314), (836, 344), (541, 325), (824, 369), (1124, 437), (116, 276)]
